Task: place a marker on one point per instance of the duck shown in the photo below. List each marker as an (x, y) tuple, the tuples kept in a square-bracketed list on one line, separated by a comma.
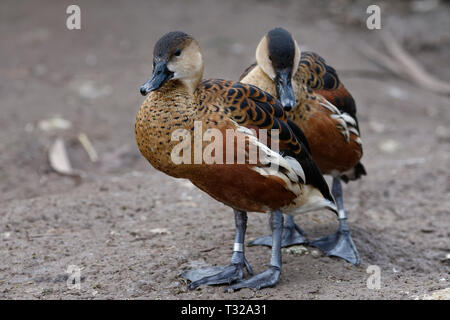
[(184, 114), (316, 101)]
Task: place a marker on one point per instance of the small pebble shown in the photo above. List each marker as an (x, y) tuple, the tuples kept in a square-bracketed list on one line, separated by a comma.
[(296, 250), (316, 253), (388, 146)]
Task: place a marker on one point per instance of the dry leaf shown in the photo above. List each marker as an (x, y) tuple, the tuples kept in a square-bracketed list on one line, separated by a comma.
[(59, 161), (54, 123), (87, 145), (159, 231)]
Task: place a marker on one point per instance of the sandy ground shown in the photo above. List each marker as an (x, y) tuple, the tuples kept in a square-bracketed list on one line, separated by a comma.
[(131, 230)]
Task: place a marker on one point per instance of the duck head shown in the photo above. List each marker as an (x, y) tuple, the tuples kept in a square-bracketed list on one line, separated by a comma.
[(278, 55), (176, 56)]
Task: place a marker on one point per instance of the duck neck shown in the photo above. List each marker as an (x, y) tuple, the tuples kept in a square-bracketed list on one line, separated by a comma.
[(168, 110), (170, 107), (299, 81), (192, 83), (260, 79), (300, 91), (177, 98)]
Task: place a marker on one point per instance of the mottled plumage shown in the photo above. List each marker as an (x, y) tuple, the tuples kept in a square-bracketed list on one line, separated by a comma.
[(222, 105), (323, 104), (324, 81), (183, 116), (317, 102)]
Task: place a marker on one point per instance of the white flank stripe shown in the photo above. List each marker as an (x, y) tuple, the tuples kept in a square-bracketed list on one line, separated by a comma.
[(348, 119), (295, 165), (354, 131), (330, 106)]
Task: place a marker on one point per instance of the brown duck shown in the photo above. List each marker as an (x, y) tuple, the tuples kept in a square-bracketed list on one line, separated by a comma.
[(181, 109), (316, 101)]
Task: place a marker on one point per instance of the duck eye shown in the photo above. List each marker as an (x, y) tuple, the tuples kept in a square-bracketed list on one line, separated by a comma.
[(177, 52)]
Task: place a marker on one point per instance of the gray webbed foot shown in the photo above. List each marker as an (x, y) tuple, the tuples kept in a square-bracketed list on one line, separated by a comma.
[(268, 278), (216, 275), (339, 244), (230, 273)]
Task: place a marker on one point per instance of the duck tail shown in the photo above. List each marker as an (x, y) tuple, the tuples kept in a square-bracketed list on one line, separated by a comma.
[(355, 173)]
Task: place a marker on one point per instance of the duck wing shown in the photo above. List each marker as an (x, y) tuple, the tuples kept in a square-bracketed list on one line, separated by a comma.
[(324, 80), (253, 108)]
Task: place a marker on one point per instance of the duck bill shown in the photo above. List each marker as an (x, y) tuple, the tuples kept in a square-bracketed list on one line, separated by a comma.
[(284, 90), (160, 76)]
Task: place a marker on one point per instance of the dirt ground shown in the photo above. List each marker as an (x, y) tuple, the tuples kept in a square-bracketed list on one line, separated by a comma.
[(131, 230)]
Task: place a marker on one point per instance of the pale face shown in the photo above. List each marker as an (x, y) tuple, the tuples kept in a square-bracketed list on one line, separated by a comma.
[(264, 61), (278, 55), (176, 56), (262, 58), (187, 63)]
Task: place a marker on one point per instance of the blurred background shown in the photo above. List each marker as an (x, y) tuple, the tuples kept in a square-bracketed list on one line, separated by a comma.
[(75, 93)]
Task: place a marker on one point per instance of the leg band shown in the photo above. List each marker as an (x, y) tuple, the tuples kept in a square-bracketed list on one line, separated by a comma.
[(238, 247)]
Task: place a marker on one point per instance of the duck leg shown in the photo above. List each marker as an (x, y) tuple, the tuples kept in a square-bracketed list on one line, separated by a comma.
[(270, 277), (292, 235), (230, 273), (339, 244)]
